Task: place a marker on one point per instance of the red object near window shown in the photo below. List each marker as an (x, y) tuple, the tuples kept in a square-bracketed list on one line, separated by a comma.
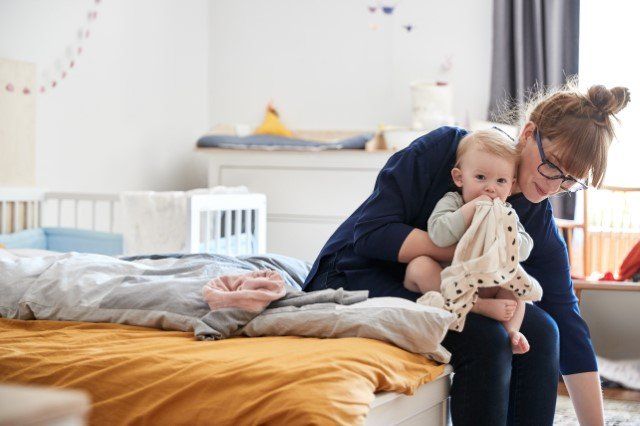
[(631, 263)]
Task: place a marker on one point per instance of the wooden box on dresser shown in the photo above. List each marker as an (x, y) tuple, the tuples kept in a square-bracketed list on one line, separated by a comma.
[(309, 194)]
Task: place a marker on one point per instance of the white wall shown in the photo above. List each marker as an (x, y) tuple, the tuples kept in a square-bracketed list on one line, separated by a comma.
[(325, 68), (156, 74), (128, 115)]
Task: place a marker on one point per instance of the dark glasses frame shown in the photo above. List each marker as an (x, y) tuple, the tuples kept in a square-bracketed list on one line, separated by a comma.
[(575, 184)]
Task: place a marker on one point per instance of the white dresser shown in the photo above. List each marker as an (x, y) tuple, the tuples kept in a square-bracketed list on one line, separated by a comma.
[(308, 193)]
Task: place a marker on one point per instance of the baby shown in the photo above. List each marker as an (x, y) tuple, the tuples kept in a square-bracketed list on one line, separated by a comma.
[(486, 164)]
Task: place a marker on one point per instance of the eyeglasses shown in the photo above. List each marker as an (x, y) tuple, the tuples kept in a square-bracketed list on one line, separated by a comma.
[(553, 172)]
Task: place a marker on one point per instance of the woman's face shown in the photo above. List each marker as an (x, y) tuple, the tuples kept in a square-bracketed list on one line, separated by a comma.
[(531, 183)]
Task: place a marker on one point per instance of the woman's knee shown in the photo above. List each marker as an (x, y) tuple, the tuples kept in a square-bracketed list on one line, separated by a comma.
[(483, 341)]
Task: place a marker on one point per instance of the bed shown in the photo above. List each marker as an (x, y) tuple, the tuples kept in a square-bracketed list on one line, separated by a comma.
[(137, 374)]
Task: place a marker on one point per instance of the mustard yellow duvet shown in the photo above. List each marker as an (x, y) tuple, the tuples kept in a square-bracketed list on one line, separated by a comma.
[(139, 375)]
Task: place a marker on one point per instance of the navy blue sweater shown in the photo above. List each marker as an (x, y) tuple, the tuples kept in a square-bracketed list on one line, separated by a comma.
[(406, 191)]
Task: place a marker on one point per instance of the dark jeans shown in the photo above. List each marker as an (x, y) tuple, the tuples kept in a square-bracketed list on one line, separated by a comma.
[(491, 386), (327, 276)]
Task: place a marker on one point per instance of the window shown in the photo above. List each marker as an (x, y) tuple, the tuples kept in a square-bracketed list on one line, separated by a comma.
[(609, 42), (609, 39)]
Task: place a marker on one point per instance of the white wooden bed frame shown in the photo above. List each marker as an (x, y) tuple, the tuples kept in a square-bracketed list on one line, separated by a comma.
[(429, 405), (22, 209), (25, 209)]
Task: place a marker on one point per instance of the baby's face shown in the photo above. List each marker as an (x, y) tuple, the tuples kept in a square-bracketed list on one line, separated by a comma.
[(482, 173)]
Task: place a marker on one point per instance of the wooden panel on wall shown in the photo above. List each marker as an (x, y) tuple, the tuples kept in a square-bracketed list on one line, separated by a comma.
[(17, 124)]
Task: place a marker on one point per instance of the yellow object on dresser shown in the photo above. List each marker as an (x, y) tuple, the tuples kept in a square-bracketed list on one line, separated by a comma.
[(272, 125)]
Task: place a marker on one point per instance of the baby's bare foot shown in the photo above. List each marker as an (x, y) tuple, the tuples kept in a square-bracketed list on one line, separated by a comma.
[(498, 309), (519, 343)]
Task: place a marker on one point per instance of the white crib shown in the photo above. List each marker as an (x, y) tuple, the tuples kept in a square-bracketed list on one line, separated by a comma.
[(216, 223), (245, 221)]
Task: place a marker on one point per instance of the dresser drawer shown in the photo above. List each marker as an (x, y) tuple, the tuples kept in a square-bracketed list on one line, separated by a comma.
[(308, 191), (298, 239)]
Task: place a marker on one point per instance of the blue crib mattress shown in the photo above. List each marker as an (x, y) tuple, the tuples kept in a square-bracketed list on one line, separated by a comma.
[(65, 240)]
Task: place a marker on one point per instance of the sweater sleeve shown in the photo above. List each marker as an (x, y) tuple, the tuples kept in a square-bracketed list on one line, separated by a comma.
[(387, 216), (446, 224), (549, 264)]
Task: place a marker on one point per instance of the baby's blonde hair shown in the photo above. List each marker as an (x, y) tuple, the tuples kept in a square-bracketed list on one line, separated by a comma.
[(492, 141)]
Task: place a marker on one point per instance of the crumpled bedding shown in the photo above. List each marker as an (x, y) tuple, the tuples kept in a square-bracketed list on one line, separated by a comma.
[(164, 292)]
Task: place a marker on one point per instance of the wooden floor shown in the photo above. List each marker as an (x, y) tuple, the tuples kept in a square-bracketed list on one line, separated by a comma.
[(609, 393)]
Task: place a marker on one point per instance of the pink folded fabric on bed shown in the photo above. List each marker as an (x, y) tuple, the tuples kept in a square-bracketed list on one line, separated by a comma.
[(252, 291)]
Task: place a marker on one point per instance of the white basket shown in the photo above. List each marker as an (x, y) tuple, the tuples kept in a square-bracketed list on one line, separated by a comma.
[(432, 105)]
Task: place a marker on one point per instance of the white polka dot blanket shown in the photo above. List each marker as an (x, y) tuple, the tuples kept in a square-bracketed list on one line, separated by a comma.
[(486, 256)]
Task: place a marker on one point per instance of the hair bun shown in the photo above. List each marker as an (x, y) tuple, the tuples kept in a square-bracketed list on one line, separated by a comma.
[(623, 97), (608, 101)]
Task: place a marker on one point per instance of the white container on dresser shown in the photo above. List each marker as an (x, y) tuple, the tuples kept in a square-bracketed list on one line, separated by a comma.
[(309, 194)]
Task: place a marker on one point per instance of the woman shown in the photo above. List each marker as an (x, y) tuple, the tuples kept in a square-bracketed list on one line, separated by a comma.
[(565, 139)]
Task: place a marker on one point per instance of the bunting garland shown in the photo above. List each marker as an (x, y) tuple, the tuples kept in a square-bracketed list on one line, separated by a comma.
[(63, 67)]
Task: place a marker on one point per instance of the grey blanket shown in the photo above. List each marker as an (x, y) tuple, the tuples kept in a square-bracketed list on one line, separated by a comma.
[(165, 292), (224, 323)]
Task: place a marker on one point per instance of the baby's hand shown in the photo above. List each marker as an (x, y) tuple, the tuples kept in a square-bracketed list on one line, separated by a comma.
[(519, 343), (483, 197)]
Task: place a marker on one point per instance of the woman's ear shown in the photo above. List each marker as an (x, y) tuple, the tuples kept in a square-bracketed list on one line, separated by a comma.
[(527, 132), (456, 174)]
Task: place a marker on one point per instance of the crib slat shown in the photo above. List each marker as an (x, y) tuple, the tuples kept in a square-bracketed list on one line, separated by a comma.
[(29, 215), (207, 231), (111, 215), (32, 214), (93, 215), (4, 218), (247, 230), (238, 232), (227, 230), (15, 216), (75, 213), (218, 230), (39, 214)]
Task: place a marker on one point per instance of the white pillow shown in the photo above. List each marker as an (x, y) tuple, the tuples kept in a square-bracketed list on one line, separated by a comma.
[(408, 325)]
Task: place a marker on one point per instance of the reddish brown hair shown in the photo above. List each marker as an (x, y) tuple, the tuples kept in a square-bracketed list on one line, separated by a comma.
[(580, 126)]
